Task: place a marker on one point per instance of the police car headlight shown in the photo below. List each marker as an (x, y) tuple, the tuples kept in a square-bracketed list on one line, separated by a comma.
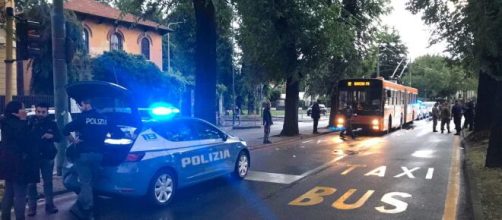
[(122, 141)]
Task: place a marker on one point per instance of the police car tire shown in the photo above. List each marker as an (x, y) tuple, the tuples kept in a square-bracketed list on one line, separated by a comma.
[(236, 173), (152, 197)]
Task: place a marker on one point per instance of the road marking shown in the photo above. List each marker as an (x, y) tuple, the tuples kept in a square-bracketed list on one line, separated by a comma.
[(306, 141), (286, 178), (430, 172), (450, 208), (272, 177)]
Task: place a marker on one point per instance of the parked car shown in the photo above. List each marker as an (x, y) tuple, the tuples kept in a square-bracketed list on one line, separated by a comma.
[(323, 108), (157, 156)]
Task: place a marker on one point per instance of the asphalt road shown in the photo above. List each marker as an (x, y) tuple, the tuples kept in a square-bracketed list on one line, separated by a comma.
[(402, 175)]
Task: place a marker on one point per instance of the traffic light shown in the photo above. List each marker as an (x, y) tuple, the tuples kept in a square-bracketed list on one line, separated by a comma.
[(28, 39)]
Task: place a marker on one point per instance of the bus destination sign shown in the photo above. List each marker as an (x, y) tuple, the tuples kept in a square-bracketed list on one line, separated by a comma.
[(358, 83)]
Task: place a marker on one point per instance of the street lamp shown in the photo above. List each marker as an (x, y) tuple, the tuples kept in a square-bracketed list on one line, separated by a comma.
[(169, 44)]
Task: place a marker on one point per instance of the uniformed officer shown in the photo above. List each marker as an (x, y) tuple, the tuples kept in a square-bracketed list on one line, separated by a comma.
[(435, 117), (91, 129), (316, 114)]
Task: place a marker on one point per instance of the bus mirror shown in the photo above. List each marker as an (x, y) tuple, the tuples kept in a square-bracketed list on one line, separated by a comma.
[(389, 94)]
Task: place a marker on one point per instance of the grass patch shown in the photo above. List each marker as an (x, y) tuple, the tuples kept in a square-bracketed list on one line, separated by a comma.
[(488, 180)]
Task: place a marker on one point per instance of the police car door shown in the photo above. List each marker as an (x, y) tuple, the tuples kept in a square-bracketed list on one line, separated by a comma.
[(216, 152)]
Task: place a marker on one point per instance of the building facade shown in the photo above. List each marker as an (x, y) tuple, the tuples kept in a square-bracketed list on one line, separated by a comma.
[(107, 28)]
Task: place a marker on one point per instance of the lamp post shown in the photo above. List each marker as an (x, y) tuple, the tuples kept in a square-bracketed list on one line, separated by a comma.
[(169, 44)]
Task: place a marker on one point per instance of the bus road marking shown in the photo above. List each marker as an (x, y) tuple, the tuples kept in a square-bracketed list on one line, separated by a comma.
[(304, 142)]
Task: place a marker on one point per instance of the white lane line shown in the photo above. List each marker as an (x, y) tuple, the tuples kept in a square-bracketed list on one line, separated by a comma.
[(324, 166), (307, 141), (272, 177), (286, 178)]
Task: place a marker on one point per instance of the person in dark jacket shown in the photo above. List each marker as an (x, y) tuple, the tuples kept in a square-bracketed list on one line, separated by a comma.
[(18, 160), (44, 132), (316, 115), (91, 128), (469, 115), (267, 122), (456, 111)]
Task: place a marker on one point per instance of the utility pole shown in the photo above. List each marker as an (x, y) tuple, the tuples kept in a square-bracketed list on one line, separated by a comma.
[(9, 56), (59, 74)]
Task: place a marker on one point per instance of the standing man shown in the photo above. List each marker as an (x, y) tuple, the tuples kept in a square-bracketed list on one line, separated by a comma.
[(445, 117), (456, 111), (435, 117), (44, 132), (469, 115), (316, 114), (91, 129), (267, 122)]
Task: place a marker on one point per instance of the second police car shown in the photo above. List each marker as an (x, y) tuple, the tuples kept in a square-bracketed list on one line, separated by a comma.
[(156, 157)]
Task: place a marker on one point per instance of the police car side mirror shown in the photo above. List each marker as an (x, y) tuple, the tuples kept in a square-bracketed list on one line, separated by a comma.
[(224, 137)]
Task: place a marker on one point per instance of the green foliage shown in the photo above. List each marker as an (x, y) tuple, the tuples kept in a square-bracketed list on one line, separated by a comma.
[(142, 77), (42, 70), (274, 95), (435, 77), (392, 51)]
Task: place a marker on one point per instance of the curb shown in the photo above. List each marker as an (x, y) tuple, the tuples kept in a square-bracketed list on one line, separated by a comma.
[(245, 127), (471, 185)]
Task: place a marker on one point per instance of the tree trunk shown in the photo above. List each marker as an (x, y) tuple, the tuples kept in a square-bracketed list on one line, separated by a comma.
[(485, 102), (334, 107), (290, 127), (494, 153), (205, 61)]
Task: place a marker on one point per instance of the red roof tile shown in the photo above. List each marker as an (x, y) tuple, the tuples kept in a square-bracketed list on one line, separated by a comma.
[(95, 8)]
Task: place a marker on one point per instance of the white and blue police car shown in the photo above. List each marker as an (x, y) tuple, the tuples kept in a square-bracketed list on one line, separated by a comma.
[(156, 157)]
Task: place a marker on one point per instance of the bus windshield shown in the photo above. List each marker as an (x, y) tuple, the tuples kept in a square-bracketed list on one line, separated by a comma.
[(361, 99)]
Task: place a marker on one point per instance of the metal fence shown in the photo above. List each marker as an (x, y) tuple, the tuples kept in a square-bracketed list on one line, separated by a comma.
[(28, 101)]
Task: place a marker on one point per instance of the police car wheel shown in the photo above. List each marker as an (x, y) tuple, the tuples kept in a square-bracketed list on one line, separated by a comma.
[(162, 188), (242, 165)]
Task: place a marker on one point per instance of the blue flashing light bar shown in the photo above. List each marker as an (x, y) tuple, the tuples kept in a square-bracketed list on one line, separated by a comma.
[(163, 111)]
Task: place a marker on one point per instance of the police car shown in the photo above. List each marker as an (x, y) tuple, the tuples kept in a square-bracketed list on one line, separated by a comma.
[(158, 156)]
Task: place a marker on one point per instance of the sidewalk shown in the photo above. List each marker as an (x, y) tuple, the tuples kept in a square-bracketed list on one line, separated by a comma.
[(485, 184)]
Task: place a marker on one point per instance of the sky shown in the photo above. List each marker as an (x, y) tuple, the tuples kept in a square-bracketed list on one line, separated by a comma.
[(414, 33)]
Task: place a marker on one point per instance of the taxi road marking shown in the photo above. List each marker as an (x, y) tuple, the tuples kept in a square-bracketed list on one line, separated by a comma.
[(286, 178)]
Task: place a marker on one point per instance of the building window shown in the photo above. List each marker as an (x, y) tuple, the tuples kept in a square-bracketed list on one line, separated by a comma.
[(115, 42), (85, 38), (145, 48)]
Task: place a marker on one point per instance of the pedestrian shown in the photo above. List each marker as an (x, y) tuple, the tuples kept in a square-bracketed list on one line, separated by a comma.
[(469, 115), (238, 114), (348, 113), (18, 160), (456, 111), (435, 117), (44, 132), (267, 122), (445, 117), (91, 129), (316, 114)]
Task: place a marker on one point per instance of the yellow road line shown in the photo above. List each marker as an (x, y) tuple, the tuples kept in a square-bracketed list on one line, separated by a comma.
[(450, 208)]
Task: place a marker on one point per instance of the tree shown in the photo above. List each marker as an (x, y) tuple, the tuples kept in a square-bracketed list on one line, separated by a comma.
[(42, 66), (140, 76), (471, 29), (391, 53)]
